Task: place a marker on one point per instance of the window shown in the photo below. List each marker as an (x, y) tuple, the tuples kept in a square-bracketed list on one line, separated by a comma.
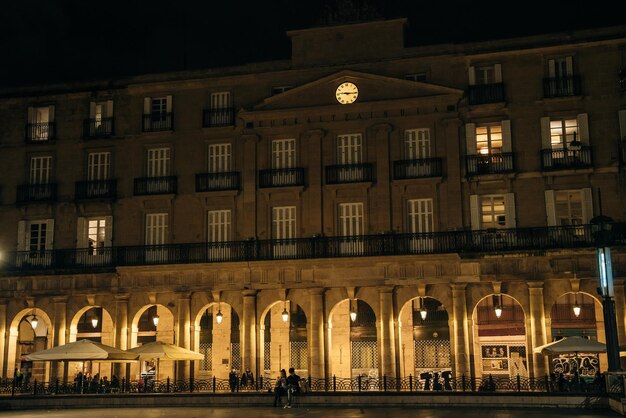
[(284, 222), (33, 239), (220, 112), (98, 165), (219, 157), (421, 77), (489, 139), (157, 113), (563, 132), (416, 144), (158, 109), (220, 100), (40, 170), (350, 219), (95, 235), (36, 241), (156, 228), (420, 215), (218, 225), (485, 74), (560, 68), (283, 153), (569, 207), (158, 162), (349, 149), (40, 123), (492, 212), (280, 89)]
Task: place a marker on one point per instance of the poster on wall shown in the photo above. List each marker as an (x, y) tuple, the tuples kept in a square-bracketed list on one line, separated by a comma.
[(495, 359)]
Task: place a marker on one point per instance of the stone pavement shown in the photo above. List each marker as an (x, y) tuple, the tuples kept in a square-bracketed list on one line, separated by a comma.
[(314, 412)]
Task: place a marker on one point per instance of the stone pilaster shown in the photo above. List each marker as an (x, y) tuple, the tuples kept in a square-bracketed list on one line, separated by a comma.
[(316, 333), (183, 322), (3, 337), (248, 342), (57, 369), (460, 330), (387, 332), (121, 336), (537, 322)]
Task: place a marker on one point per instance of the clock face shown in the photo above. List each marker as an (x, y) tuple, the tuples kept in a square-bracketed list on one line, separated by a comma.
[(347, 93)]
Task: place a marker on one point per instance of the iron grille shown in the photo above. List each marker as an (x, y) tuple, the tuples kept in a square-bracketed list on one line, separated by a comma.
[(299, 355), (267, 356), (364, 355), (432, 354), (235, 356), (206, 364)]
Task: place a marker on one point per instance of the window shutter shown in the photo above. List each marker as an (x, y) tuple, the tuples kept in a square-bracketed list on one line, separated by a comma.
[(51, 113), (147, 101), (509, 208), (108, 231), (92, 110), (587, 205), (21, 236), (507, 146), (550, 207), (551, 69), (31, 115), (168, 105), (545, 133), (109, 111), (622, 123), (470, 138), (49, 234), (472, 75), (497, 69), (569, 66), (81, 233), (474, 212), (583, 128)]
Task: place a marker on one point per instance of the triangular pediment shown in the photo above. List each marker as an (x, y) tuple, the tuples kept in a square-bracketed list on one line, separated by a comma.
[(372, 88)]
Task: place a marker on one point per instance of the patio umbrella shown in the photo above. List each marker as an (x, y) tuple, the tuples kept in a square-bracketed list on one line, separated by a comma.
[(158, 350), (571, 345), (83, 350)]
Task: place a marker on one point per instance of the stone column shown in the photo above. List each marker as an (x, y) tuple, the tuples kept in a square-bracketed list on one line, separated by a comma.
[(387, 332), (248, 342), (120, 339), (183, 334), (57, 369), (316, 334), (3, 337), (460, 330), (537, 321), (620, 313)]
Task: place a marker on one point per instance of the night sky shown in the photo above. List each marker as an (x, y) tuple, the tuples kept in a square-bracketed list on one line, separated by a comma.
[(64, 40)]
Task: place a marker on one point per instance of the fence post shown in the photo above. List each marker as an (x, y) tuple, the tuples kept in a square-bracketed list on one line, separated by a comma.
[(410, 383), (167, 385), (547, 383), (385, 383), (260, 381), (310, 384), (359, 380), (463, 382), (56, 387), (213, 384), (334, 383), (519, 383), (35, 388), (191, 383), (13, 385)]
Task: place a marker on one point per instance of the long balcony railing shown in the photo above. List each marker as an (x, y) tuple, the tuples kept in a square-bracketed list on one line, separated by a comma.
[(29, 193), (468, 242), (281, 177), (565, 159), (157, 122), (212, 182), (415, 169), (561, 86), (213, 118), (350, 173), (40, 132), (156, 185), (98, 128), (490, 163), (96, 189), (486, 93)]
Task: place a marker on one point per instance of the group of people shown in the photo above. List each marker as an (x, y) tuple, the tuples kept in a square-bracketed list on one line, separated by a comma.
[(287, 385), (85, 383), (246, 381)]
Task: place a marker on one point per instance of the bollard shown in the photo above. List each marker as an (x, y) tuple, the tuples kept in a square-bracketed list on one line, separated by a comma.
[(410, 383), (334, 383), (213, 384)]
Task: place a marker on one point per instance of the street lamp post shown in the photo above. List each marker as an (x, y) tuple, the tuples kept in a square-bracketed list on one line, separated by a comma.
[(601, 228)]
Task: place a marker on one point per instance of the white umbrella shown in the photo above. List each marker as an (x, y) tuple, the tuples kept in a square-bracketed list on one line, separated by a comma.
[(158, 350), (571, 345), (83, 350)]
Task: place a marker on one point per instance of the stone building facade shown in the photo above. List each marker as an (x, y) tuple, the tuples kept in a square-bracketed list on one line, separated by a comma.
[(439, 194)]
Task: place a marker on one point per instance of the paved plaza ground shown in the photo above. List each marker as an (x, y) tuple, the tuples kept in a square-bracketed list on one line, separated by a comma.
[(321, 412)]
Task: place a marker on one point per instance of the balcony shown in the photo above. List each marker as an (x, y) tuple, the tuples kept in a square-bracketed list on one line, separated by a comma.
[(98, 128), (622, 152), (566, 159), (490, 164), (156, 185), (157, 122), (281, 177), (415, 169), (96, 189), (32, 193), (454, 242), (350, 173), (37, 133), (212, 182), (486, 93), (561, 86), (214, 118)]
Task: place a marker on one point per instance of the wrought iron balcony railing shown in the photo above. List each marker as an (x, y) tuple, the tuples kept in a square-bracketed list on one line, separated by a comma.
[(281, 177), (469, 242), (211, 182), (350, 173), (30, 193), (561, 86), (486, 93), (157, 122), (96, 189), (490, 164), (415, 169), (40, 132), (213, 118), (98, 128), (156, 185), (622, 152), (565, 159)]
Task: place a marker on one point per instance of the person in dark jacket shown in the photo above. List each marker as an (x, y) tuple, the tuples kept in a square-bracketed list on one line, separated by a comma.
[(293, 386), (281, 387), (247, 379), (233, 380)]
